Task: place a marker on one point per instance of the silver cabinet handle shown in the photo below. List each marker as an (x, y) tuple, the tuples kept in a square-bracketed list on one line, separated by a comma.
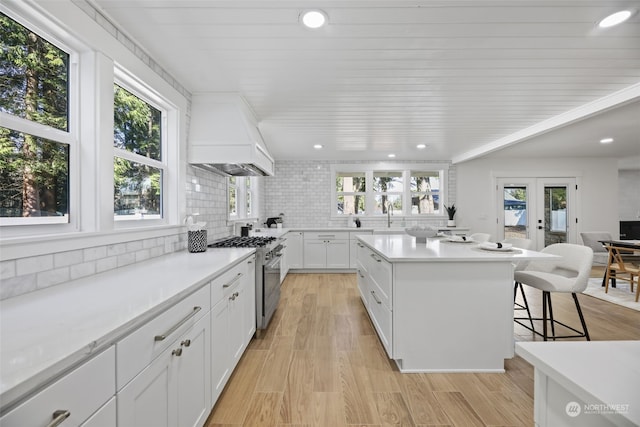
[(374, 257), (326, 235), (177, 325), (177, 352), (58, 417), (228, 285), (234, 296), (186, 343), (375, 297), (360, 273)]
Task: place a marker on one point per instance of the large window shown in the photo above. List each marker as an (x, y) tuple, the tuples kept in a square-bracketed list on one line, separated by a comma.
[(407, 190), (138, 157), (35, 142)]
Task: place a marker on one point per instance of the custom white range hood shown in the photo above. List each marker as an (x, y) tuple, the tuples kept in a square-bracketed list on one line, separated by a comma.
[(224, 137)]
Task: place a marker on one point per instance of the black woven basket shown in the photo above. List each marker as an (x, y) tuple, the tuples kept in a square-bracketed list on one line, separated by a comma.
[(197, 241)]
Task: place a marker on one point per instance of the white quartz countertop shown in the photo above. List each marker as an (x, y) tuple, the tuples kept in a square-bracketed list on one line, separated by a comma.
[(403, 248), (46, 332), (599, 372)]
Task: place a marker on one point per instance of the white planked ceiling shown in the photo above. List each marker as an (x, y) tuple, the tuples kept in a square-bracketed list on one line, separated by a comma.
[(463, 77)]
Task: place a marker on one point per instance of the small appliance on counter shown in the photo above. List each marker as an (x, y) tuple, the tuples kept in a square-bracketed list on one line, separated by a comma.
[(273, 221)]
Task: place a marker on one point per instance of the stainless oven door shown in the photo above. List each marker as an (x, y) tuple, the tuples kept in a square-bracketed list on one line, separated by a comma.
[(271, 289)]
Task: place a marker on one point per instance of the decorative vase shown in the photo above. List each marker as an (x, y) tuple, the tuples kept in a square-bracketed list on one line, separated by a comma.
[(451, 223)]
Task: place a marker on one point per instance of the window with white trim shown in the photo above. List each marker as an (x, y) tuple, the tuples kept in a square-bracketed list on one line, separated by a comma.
[(37, 135), (138, 157), (242, 197), (400, 189)]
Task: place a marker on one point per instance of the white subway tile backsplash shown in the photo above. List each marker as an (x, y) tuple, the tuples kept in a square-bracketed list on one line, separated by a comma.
[(63, 259), (116, 249), (126, 259), (52, 277), (34, 264), (7, 269), (92, 254), (108, 263), (12, 287), (82, 270)]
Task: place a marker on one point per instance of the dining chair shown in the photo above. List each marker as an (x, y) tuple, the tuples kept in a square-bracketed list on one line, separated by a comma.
[(618, 268), (480, 237), (520, 243), (593, 239), (569, 273)]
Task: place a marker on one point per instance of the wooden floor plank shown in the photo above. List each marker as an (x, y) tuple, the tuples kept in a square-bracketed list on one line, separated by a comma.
[(320, 364)]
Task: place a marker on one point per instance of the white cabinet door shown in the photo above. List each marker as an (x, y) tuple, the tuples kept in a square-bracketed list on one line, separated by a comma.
[(175, 389), (249, 301), (192, 370), (295, 249), (236, 324), (337, 254), (315, 254), (149, 399), (220, 355)]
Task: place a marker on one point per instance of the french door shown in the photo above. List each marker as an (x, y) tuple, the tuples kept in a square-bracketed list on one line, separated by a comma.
[(540, 209)]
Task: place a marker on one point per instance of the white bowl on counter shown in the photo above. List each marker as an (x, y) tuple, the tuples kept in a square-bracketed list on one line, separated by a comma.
[(421, 234)]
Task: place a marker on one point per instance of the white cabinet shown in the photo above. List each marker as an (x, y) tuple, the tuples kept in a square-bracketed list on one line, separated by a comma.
[(326, 249), (353, 242), (375, 276), (233, 321), (175, 389), (74, 398), (295, 249), (284, 259)]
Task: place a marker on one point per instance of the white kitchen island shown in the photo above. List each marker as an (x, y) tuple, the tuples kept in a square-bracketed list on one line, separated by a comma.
[(440, 306)]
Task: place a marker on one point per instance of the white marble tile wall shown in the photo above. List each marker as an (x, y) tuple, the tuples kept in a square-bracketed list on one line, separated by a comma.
[(629, 194), (302, 191)]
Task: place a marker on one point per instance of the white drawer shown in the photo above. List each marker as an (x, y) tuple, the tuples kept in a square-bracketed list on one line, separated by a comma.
[(81, 392), (382, 320), (380, 271), (138, 349), (222, 285), (382, 294), (326, 235)]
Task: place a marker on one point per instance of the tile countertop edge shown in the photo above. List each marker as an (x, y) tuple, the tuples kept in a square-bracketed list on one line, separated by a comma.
[(15, 391)]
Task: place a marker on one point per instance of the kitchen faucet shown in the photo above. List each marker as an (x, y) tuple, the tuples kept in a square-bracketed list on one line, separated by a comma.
[(389, 214)]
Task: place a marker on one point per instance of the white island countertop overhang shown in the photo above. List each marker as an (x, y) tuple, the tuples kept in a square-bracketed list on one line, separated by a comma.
[(403, 248)]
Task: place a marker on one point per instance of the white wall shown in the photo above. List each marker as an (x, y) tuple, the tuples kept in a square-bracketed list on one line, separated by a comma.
[(597, 198), (629, 195)]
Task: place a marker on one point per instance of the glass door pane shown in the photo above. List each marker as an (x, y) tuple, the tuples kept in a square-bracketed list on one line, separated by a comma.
[(555, 214), (515, 212)]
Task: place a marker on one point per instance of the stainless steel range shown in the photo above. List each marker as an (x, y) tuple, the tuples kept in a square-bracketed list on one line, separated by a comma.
[(268, 254)]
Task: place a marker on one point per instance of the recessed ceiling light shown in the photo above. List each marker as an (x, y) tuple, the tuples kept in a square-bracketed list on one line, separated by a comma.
[(318, 146), (606, 140), (421, 146), (615, 19), (313, 18), (391, 156)]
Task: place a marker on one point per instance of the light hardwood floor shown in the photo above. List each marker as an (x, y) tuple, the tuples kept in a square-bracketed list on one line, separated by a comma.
[(320, 364)]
